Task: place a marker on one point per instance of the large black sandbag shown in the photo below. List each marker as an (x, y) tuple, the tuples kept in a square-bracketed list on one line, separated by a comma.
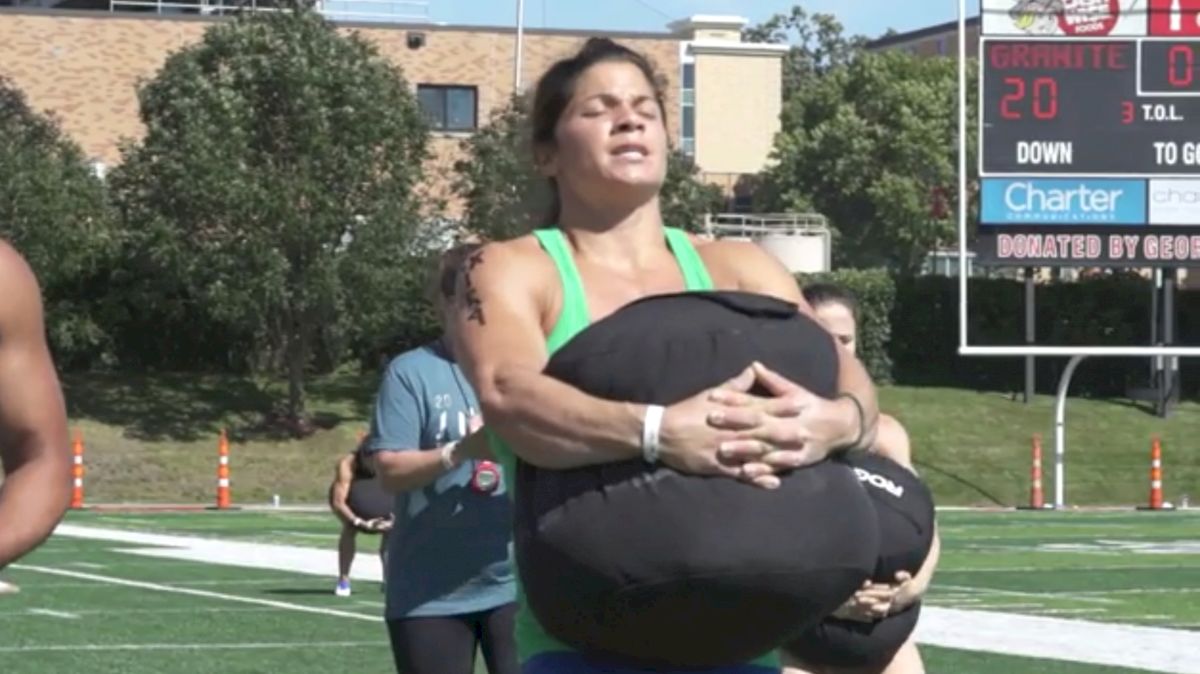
[(848, 643), (904, 509), (644, 566)]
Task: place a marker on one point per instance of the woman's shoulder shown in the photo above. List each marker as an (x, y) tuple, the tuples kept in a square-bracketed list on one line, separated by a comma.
[(519, 254), (891, 440)]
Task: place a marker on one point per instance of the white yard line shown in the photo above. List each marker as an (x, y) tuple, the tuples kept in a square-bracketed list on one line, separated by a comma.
[(1005, 607), (304, 534), (1026, 595), (955, 599), (1073, 569), (53, 648), (83, 613), (110, 580), (274, 557), (1136, 591), (1151, 648), (1070, 611), (249, 582), (54, 614)]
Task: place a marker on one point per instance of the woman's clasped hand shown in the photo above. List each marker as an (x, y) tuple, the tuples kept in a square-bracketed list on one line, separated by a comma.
[(754, 437)]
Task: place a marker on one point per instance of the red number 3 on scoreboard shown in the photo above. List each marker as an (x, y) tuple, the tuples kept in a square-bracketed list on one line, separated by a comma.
[(1045, 98)]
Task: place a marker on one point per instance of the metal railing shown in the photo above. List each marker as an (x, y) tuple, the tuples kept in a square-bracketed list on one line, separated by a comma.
[(394, 11), (774, 230), (753, 225)]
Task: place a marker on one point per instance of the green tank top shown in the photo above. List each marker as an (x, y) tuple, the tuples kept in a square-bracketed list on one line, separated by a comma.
[(574, 317)]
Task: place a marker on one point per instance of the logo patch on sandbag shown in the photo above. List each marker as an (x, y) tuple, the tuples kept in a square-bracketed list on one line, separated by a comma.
[(879, 482)]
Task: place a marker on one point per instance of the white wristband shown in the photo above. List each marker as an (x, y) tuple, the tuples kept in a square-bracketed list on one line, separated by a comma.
[(448, 455), (651, 426)]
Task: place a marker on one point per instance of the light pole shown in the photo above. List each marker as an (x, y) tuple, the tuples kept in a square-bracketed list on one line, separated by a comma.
[(520, 41)]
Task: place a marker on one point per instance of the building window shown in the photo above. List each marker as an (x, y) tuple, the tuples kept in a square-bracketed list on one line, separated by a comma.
[(688, 115), (941, 46), (448, 107), (741, 203)]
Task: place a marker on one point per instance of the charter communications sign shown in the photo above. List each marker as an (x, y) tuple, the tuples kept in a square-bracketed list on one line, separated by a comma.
[(1089, 222), (1045, 202)]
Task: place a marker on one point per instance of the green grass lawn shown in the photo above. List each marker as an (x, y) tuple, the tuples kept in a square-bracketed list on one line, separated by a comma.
[(154, 439), (973, 447)]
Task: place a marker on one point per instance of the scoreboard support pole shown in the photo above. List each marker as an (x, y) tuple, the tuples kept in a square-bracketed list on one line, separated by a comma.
[(1168, 366), (1164, 363), (1030, 335), (962, 172), (1176, 390), (1156, 323)]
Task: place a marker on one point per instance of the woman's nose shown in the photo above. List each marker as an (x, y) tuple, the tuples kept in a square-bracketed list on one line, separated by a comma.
[(629, 121)]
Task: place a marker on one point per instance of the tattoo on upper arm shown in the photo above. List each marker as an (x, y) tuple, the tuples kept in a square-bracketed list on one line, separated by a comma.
[(471, 302)]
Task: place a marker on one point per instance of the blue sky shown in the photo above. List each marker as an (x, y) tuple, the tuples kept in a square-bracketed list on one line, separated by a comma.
[(867, 17)]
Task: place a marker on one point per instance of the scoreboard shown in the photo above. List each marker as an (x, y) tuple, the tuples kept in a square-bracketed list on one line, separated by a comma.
[(1089, 137), (1091, 108)]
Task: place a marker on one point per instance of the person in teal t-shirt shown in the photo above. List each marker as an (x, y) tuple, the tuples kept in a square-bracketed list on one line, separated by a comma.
[(450, 584), (600, 135)]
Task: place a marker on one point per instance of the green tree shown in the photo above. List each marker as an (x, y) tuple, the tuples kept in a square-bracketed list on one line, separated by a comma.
[(503, 194), (276, 179), (873, 145), (506, 197), (819, 45), (685, 198), (53, 209)]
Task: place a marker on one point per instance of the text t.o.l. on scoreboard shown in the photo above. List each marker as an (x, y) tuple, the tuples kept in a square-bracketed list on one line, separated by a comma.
[(1089, 143)]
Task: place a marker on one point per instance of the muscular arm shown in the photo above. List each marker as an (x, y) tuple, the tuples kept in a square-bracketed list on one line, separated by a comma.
[(759, 272), (924, 577), (409, 470), (340, 490), (33, 427), (502, 349), (892, 442)]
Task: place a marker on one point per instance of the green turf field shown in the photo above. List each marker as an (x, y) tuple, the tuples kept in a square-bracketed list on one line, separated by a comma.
[(91, 606)]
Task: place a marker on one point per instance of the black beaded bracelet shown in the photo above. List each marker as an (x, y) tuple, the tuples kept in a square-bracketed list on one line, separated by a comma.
[(862, 418)]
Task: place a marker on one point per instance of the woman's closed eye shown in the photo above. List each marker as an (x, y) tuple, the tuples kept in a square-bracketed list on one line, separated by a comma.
[(648, 109)]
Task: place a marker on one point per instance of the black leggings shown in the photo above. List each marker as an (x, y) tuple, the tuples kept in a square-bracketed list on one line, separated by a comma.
[(446, 645)]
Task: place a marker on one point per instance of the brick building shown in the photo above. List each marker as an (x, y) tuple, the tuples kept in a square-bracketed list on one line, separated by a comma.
[(83, 66), (938, 40)]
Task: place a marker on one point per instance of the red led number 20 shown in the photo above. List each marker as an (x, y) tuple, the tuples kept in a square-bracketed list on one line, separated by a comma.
[(1043, 95)]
